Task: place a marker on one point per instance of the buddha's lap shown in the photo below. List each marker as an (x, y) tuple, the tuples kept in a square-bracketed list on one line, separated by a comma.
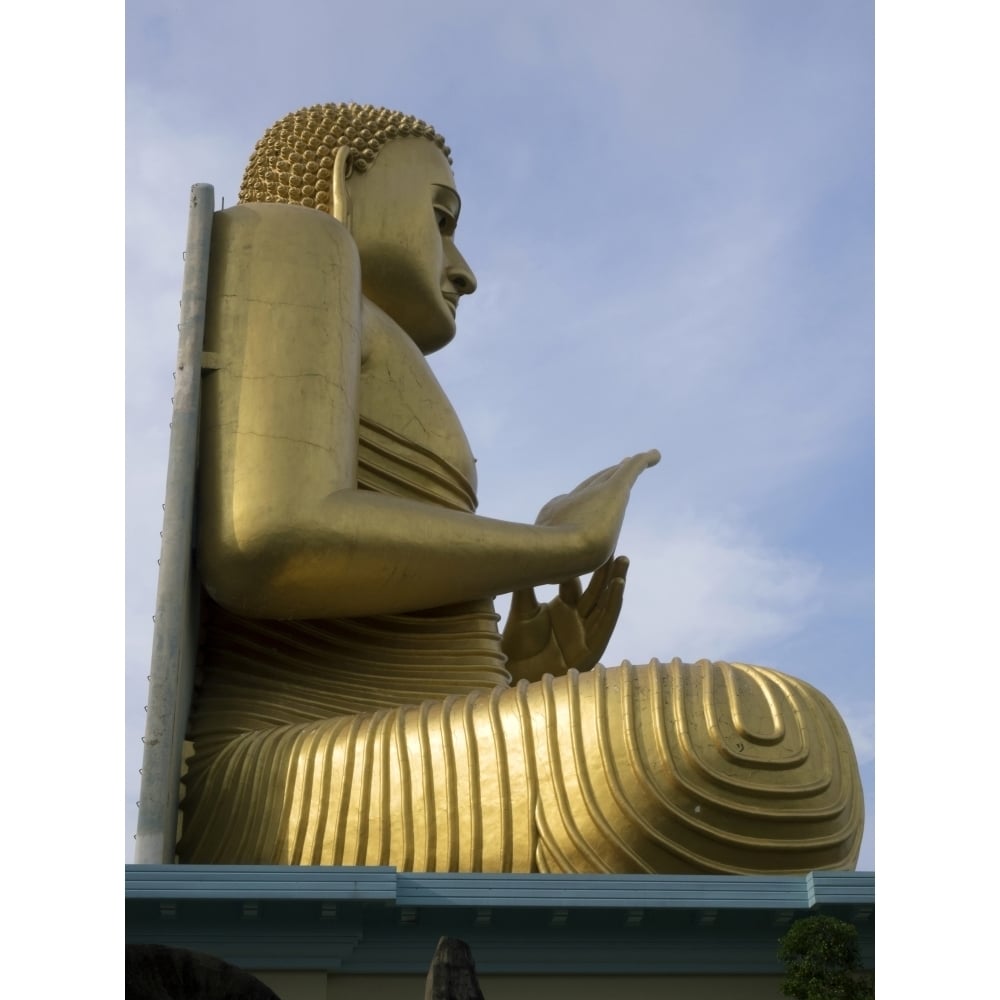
[(660, 767)]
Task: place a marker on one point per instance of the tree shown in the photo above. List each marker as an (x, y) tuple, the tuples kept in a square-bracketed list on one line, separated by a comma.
[(823, 961)]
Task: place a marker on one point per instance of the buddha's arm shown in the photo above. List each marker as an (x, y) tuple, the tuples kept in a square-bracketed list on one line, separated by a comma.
[(285, 532)]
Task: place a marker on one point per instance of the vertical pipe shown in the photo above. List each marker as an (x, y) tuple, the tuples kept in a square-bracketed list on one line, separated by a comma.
[(176, 621)]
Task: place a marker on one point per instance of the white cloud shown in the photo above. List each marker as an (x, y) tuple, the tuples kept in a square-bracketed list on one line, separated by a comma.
[(701, 589)]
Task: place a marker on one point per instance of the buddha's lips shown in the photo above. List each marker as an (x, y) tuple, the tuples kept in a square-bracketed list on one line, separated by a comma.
[(452, 300)]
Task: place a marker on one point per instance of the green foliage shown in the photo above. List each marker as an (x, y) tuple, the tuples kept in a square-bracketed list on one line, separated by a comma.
[(823, 961)]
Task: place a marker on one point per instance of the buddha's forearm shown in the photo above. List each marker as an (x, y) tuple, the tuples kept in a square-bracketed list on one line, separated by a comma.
[(360, 553)]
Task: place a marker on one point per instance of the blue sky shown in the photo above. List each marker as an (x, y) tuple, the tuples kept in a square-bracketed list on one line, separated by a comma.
[(669, 208)]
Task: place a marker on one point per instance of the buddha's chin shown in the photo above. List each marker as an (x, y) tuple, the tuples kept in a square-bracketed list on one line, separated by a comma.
[(431, 337)]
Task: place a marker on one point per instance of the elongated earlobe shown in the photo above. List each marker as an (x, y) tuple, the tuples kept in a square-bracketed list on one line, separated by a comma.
[(341, 198)]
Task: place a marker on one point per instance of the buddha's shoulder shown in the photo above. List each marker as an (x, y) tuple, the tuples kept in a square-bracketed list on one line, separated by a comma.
[(295, 220), (310, 245)]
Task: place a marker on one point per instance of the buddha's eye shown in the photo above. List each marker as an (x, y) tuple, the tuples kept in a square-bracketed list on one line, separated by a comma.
[(445, 221)]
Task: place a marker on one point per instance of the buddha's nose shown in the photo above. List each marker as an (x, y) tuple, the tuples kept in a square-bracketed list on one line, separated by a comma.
[(459, 273)]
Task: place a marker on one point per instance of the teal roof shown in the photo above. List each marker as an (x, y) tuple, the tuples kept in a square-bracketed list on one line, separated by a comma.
[(378, 920)]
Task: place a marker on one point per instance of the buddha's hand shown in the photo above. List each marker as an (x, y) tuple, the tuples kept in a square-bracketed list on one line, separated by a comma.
[(592, 514), (570, 632)]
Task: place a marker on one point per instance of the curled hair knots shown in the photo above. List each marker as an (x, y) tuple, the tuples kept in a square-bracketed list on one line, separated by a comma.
[(292, 162)]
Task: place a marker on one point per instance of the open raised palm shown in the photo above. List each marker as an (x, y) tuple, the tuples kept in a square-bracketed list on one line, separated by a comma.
[(569, 632)]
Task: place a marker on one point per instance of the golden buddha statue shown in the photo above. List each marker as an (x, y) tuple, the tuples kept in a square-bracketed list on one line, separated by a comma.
[(356, 702)]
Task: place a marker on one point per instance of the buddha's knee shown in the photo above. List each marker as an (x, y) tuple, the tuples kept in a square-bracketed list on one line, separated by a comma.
[(703, 767)]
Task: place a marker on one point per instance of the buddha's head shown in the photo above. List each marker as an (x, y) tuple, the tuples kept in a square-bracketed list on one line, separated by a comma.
[(387, 177)]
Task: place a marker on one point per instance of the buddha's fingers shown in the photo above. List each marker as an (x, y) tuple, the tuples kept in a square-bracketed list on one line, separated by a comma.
[(614, 568), (631, 468), (570, 592), (524, 604), (601, 624)]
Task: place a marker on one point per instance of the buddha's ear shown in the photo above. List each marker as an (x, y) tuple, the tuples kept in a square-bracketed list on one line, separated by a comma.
[(341, 209)]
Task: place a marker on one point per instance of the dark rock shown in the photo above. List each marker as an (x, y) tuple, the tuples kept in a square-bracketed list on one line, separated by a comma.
[(156, 972), (452, 975)]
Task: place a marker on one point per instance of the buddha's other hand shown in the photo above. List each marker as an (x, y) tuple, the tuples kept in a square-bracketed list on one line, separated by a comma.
[(592, 514), (569, 632)]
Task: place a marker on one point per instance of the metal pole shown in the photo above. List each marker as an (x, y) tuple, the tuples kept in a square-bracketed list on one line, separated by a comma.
[(176, 621)]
